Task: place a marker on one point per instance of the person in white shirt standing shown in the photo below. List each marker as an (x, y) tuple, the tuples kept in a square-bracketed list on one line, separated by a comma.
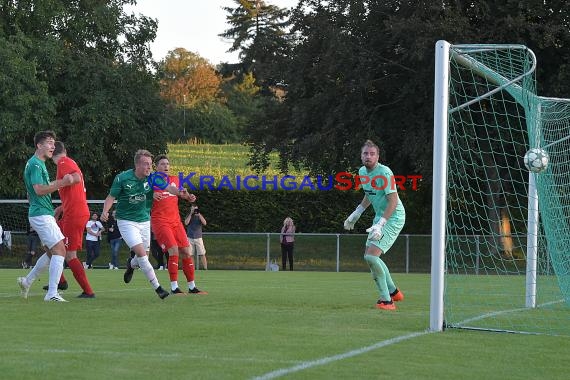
[(93, 239)]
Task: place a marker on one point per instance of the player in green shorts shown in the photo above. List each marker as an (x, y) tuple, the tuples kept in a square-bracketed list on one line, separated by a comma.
[(379, 191)]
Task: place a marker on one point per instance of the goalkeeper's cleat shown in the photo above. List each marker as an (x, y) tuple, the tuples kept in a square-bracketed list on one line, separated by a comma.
[(177, 292), (397, 295), (24, 286), (161, 292), (196, 291), (127, 277), (61, 286), (55, 298), (385, 305)]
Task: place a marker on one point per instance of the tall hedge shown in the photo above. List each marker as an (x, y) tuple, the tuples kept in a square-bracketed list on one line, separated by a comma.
[(312, 211)]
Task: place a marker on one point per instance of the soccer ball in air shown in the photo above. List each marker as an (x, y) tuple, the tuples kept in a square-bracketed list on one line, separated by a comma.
[(536, 160)]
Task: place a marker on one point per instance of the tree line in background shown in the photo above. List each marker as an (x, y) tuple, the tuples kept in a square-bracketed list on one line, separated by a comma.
[(80, 68), (312, 82)]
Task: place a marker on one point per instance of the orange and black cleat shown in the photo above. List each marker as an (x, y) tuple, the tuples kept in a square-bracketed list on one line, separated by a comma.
[(397, 295), (385, 305)]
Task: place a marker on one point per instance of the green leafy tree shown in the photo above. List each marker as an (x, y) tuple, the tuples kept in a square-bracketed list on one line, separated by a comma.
[(245, 101), (187, 79), (214, 123), (193, 89), (258, 31), (24, 102), (365, 70), (93, 84), (110, 117)]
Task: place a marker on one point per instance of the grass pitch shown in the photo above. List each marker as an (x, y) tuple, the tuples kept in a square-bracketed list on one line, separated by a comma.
[(253, 324)]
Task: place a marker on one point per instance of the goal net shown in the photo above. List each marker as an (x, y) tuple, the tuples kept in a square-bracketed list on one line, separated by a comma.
[(14, 222), (500, 256)]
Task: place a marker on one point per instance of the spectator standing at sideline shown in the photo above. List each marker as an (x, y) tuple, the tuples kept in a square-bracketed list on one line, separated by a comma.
[(33, 244), (93, 239), (1, 239), (287, 240), (114, 239), (194, 222)]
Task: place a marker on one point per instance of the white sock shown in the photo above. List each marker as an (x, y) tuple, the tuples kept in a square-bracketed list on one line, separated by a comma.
[(148, 271), (135, 262), (55, 270), (41, 265), (173, 285), (191, 285)]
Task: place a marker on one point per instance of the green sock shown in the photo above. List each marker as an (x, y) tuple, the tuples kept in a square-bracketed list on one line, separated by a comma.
[(389, 282), (378, 275)]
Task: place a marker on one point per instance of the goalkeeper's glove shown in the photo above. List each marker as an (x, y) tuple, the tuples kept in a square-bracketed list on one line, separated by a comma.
[(375, 232), (353, 218)]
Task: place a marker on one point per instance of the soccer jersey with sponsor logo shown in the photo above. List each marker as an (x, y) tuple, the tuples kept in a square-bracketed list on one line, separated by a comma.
[(73, 198), (133, 195), (381, 183), (35, 173), (166, 209)]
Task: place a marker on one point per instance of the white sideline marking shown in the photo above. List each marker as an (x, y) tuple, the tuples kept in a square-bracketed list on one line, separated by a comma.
[(330, 359)]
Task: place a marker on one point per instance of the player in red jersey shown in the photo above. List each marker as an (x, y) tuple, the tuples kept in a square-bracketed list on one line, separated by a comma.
[(169, 230), (74, 214)]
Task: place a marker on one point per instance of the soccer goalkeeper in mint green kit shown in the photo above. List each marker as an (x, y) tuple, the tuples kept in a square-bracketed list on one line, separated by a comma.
[(380, 192)]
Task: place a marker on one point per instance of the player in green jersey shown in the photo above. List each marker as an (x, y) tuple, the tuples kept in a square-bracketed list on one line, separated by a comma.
[(379, 191), (134, 197), (41, 215)]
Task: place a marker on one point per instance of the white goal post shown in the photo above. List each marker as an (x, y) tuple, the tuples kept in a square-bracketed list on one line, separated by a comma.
[(460, 54)]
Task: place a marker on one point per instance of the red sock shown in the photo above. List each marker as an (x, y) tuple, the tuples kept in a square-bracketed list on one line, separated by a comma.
[(62, 279), (188, 268), (173, 267), (79, 274)]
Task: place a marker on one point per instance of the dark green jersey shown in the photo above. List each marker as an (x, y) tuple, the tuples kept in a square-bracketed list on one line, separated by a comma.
[(133, 195), (35, 173)]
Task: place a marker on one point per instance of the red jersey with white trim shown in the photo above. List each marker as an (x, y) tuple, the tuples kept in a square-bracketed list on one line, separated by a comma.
[(73, 198), (165, 209)]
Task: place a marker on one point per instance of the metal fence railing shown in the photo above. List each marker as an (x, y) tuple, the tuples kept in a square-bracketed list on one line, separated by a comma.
[(257, 250), (313, 251)]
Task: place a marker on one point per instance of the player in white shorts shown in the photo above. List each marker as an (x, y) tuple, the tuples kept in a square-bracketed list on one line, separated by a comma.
[(41, 216), (134, 200)]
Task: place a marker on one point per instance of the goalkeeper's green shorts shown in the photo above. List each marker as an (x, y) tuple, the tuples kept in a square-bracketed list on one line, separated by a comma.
[(390, 232)]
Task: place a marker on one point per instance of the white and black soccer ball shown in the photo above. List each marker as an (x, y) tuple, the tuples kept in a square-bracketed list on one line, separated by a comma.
[(536, 160)]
